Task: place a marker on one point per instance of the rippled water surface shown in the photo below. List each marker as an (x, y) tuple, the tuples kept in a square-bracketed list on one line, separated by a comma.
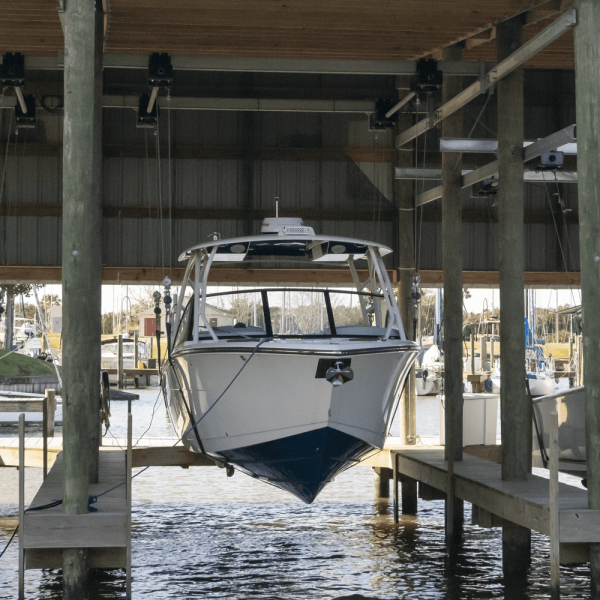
[(197, 533)]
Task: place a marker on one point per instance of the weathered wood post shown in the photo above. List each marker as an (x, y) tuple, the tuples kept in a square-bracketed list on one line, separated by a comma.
[(587, 88), (404, 192), (452, 127), (554, 509), (382, 484), (515, 407), (21, 505), (81, 269)]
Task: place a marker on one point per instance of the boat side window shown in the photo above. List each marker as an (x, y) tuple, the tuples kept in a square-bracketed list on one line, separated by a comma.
[(354, 314)]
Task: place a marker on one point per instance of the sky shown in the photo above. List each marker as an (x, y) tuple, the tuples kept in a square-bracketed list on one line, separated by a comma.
[(114, 297)]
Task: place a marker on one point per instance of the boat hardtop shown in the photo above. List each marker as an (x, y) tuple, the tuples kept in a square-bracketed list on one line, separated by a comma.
[(286, 237)]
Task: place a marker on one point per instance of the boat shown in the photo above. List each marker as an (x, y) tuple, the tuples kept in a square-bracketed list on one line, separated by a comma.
[(539, 369), (429, 377), (109, 358), (570, 406), (306, 382), (429, 371)]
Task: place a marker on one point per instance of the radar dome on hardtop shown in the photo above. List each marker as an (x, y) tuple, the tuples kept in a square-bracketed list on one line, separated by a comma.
[(286, 237)]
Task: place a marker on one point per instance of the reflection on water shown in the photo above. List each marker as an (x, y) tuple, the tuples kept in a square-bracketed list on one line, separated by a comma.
[(197, 533)]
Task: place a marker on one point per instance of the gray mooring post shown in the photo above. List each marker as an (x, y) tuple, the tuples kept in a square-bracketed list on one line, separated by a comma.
[(452, 127), (120, 376), (404, 191), (587, 88), (515, 407), (81, 272), (21, 505)]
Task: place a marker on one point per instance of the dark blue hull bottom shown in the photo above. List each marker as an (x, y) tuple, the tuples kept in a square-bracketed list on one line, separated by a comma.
[(301, 464)]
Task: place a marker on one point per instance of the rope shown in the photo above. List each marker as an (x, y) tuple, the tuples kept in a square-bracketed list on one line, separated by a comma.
[(9, 541), (3, 177)]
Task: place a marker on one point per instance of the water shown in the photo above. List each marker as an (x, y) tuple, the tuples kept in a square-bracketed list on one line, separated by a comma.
[(198, 534)]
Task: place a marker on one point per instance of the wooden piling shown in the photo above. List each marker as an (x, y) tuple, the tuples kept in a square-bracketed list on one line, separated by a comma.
[(395, 490), (45, 412), (81, 271), (554, 510), (587, 89), (515, 407), (452, 127), (405, 201), (382, 483), (21, 505), (129, 463), (409, 496)]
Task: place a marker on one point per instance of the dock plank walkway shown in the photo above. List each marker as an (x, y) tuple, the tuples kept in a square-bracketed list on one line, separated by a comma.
[(524, 503), (103, 531)]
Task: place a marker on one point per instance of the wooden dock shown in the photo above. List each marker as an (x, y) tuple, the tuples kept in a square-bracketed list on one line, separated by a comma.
[(498, 503), (103, 531), (149, 452)]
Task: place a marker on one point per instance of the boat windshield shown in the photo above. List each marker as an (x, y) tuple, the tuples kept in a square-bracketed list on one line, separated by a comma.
[(288, 313)]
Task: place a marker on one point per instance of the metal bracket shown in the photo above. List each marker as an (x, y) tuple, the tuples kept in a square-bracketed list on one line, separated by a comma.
[(25, 111), (12, 69), (160, 74), (147, 119)]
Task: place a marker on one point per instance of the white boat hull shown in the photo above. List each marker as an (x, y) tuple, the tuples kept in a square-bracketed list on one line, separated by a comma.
[(279, 417), (570, 406), (539, 385)]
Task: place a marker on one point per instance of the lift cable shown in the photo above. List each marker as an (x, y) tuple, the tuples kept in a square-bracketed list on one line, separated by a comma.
[(160, 211), (560, 245), (4, 174), (148, 187), (170, 186)]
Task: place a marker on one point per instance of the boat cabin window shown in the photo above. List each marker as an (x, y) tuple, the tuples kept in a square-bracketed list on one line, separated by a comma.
[(288, 313)]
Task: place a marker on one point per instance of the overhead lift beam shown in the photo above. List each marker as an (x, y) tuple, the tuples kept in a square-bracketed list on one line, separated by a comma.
[(268, 65), (539, 147), (503, 68)]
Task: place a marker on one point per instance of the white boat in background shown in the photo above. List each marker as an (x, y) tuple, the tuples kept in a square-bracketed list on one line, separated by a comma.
[(109, 358), (570, 406), (306, 382), (428, 374)]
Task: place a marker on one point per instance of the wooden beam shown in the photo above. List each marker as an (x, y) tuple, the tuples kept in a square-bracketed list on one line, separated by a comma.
[(540, 279), (177, 456), (135, 275), (137, 211)]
